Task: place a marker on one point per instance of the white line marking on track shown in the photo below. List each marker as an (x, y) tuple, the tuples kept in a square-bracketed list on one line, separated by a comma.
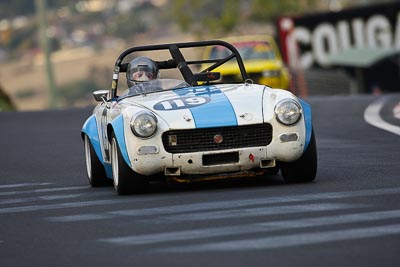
[(257, 212), (43, 190), (396, 111), (61, 206), (289, 240), (216, 205), (372, 116), (81, 217), (224, 214), (271, 226), (221, 205), (36, 198), (6, 186), (30, 199)]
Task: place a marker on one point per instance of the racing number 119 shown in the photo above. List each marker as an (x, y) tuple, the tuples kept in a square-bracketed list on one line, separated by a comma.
[(181, 103)]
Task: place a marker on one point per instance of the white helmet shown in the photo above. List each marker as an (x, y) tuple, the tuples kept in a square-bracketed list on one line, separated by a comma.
[(141, 69)]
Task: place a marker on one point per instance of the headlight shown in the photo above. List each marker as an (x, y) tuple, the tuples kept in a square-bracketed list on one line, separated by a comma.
[(144, 124), (288, 112)]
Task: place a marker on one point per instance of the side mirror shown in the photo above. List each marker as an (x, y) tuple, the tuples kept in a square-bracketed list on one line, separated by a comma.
[(100, 95)]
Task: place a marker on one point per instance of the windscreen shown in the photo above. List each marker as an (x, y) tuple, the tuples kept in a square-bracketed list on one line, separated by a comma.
[(153, 86)]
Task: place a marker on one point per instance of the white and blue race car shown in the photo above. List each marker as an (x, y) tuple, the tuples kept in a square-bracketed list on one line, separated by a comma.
[(190, 127)]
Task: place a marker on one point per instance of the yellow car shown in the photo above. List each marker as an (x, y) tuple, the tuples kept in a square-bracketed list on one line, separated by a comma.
[(261, 58)]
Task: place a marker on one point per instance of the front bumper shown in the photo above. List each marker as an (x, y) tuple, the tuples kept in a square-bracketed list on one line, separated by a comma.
[(216, 161), (152, 157), (240, 160)]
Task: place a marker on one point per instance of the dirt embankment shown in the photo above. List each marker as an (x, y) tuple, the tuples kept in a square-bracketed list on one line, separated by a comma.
[(24, 79)]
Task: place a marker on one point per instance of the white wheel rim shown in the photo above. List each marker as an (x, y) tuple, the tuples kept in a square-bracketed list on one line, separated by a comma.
[(88, 158), (114, 162)]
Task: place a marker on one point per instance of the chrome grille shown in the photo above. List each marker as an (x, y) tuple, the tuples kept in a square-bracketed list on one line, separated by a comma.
[(195, 140)]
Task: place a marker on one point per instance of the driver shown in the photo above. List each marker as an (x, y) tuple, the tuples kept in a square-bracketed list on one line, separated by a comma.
[(141, 69)]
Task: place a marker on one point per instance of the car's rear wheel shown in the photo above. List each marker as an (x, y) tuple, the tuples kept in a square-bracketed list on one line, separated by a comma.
[(126, 181), (95, 170), (305, 168)]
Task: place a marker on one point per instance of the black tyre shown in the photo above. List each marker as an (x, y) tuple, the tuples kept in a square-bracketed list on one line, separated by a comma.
[(305, 168), (126, 181), (95, 170)]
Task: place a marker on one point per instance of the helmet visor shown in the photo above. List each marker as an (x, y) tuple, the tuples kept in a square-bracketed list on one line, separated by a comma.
[(142, 73)]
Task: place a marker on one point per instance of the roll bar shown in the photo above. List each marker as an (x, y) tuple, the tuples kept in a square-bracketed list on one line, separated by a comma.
[(178, 61)]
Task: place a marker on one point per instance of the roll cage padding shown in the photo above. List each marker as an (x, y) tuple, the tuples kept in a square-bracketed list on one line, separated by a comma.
[(182, 65), (178, 60)]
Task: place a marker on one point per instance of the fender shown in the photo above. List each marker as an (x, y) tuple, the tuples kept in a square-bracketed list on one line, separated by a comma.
[(90, 129), (117, 126), (307, 120)]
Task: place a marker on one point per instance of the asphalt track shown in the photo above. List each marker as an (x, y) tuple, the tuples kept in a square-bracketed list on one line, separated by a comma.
[(350, 216)]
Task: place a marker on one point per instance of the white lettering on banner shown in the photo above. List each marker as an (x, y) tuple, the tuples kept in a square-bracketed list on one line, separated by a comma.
[(344, 33), (324, 42), (358, 26), (379, 33), (327, 39), (300, 35), (397, 34)]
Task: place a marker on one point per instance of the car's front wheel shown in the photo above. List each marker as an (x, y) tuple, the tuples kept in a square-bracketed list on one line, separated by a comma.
[(126, 181), (95, 170), (305, 168)]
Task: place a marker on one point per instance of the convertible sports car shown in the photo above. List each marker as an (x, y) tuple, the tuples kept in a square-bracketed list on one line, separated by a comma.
[(187, 127)]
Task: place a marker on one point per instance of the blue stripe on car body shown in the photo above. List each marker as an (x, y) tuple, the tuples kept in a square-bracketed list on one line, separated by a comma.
[(217, 112), (108, 169), (90, 129), (307, 120), (118, 127)]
